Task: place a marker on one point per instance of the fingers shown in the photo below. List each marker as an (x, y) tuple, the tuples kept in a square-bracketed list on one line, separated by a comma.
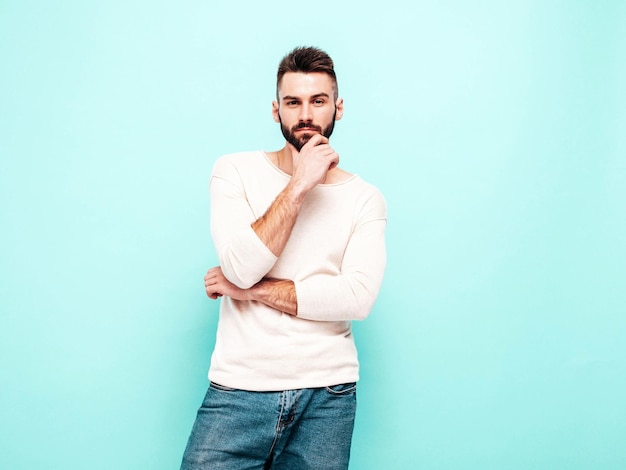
[(320, 150), (315, 140), (211, 279), (214, 270), (213, 273), (211, 292)]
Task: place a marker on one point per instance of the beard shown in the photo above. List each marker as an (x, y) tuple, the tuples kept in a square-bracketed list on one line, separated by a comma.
[(299, 142)]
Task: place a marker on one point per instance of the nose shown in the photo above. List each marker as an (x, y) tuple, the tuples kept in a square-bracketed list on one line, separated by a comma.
[(305, 112)]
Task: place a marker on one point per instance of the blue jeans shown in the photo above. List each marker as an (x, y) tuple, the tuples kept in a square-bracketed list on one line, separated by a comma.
[(291, 430)]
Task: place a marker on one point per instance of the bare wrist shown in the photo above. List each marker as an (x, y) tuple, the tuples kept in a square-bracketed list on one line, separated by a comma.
[(252, 293), (296, 191)]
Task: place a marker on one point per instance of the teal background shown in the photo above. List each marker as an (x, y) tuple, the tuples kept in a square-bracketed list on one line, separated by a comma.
[(497, 132)]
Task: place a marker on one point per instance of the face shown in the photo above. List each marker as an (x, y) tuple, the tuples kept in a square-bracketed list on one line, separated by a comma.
[(306, 106)]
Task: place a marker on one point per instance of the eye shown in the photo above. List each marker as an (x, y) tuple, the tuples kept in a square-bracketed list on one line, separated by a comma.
[(292, 103), (318, 102)]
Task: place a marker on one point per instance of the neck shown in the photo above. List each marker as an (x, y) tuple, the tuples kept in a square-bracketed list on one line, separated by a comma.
[(284, 158)]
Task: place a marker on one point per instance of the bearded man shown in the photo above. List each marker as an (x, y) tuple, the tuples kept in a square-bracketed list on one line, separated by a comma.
[(301, 248)]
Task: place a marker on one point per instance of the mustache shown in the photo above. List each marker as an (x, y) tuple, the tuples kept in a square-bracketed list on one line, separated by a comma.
[(306, 125)]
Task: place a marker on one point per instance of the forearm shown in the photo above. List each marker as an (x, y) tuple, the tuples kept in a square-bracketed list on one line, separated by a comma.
[(274, 227), (310, 167), (276, 293)]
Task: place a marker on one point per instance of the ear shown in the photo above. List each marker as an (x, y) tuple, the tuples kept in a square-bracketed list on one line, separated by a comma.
[(275, 111), (339, 106)]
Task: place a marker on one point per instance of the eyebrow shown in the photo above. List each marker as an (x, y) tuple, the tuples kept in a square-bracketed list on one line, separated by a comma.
[(318, 95)]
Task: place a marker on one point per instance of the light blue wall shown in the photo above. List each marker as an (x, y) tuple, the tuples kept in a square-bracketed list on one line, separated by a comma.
[(496, 130)]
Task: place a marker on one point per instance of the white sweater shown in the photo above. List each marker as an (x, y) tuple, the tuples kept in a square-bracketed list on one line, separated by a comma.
[(335, 256)]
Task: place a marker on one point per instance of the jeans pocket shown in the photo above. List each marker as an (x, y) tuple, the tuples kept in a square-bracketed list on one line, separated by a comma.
[(348, 388), (221, 388)]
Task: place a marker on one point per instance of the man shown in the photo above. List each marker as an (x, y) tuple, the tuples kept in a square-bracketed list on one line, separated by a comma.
[(301, 249)]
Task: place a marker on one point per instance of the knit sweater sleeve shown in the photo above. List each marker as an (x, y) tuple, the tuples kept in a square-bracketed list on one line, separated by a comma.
[(350, 295), (243, 257)]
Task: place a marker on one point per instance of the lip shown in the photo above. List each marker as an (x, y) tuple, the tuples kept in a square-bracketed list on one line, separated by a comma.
[(307, 129)]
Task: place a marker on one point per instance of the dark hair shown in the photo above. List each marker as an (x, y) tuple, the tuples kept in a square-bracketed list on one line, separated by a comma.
[(307, 60)]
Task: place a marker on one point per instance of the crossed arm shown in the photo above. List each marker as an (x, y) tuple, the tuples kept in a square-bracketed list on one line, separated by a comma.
[(273, 228), (276, 293)]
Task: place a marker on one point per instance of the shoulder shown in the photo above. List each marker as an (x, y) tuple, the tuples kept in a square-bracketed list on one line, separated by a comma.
[(233, 163), (239, 158), (359, 196), (364, 187), (370, 198)]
